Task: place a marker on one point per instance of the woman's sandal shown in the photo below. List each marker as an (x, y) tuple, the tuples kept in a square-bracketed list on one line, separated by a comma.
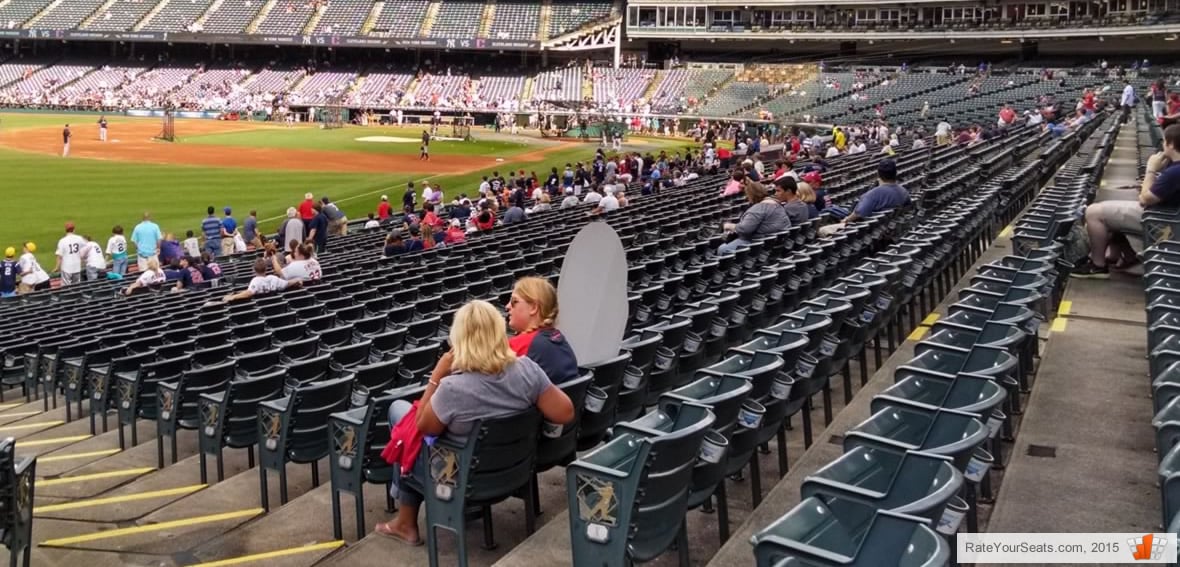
[(384, 531)]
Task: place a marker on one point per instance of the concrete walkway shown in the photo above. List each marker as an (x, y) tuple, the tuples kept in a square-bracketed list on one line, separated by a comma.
[(1089, 419)]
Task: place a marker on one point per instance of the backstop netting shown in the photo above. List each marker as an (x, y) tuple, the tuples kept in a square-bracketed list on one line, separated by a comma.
[(167, 127), (334, 116)]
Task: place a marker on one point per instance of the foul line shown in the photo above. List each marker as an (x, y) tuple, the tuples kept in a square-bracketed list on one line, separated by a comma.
[(186, 522), (95, 476), (118, 499), (55, 458), (328, 545), (53, 441)]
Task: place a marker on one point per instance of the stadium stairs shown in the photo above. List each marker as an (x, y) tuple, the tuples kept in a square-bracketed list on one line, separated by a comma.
[(546, 16), (429, 18), (371, 20), (485, 21), (31, 23), (316, 16), (261, 17), (213, 8), (151, 14), (653, 87), (98, 12)]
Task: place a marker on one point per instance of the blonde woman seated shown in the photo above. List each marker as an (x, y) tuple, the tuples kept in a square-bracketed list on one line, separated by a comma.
[(153, 275), (480, 378)]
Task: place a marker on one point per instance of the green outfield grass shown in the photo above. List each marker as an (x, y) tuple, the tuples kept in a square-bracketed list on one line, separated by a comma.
[(42, 192), (345, 139)]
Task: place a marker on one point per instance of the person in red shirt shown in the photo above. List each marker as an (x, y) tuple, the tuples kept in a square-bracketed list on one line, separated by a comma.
[(1088, 101), (532, 312), (486, 219), (455, 233), (307, 207), (430, 219), (1007, 115), (383, 208)]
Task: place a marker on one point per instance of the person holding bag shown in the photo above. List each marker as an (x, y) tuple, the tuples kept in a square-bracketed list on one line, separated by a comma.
[(32, 275), (479, 378)]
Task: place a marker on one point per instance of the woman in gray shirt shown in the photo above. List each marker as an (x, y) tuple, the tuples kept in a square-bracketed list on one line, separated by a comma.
[(480, 378), (764, 217)]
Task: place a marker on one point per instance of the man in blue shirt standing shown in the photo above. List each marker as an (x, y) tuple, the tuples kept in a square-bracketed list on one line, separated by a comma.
[(885, 196), (228, 226), (211, 228), (146, 236)]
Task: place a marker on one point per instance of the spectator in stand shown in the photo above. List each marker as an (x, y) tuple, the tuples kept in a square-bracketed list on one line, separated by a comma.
[(261, 283), (428, 241), (170, 250), (151, 276), (542, 204), (228, 227), (570, 200), (96, 263), (408, 217), (372, 222), (190, 274), (32, 275), (461, 209), (303, 266), (117, 248), (249, 230), (480, 378), (888, 194), (429, 218), (486, 219), (763, 218), (211, 228), (1127, 101), (337, 221), (515, 214), (210, 269), (192, 246), (455, 233), (384, 210), (9, 273), (607, 203), (532, 314), (146, 236), (408, 198), (735, 184), (1161, 186), (788, 196), (291, 229), (1159, 99), (317, 229), (307, 207), (415, 244), (69, 256), (394, 245)]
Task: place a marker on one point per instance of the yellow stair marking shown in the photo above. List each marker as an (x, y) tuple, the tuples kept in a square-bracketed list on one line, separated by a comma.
[(182, 523), (55, 458), (118, 499), (1064, 308), (21, 414), (53, 441), (273, 554), (918, 334), (95, 476), (930, 319), (1058, 325), (54, 423)]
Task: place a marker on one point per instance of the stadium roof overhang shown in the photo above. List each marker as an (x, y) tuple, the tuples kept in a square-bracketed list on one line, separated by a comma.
[(833, 35)]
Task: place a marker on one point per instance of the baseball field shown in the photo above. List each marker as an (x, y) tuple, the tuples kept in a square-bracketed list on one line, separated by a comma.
[(245, 165)]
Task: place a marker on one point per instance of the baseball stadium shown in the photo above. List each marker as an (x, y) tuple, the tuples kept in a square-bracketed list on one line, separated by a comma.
[(589, 282)]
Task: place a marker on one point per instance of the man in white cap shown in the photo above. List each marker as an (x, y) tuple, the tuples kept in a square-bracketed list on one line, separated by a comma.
[(570, 200)]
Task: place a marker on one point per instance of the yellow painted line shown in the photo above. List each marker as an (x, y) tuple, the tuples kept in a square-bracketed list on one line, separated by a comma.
[(182, 523), (54, 458), (1007, 232), (1058, 325), (1064, 308), (118, 499), (327, 545), (53, 441), (9, 406), (54, 423), (21, 414), (95, 476), (930, 320), (918, 333)]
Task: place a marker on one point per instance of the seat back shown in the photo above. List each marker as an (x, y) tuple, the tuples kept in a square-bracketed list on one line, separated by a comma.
[(16, 499), (557, 444), (234, 422), (310, 370)]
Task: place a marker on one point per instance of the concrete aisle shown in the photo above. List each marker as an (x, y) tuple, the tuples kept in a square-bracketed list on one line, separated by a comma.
[(1084, 460)]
